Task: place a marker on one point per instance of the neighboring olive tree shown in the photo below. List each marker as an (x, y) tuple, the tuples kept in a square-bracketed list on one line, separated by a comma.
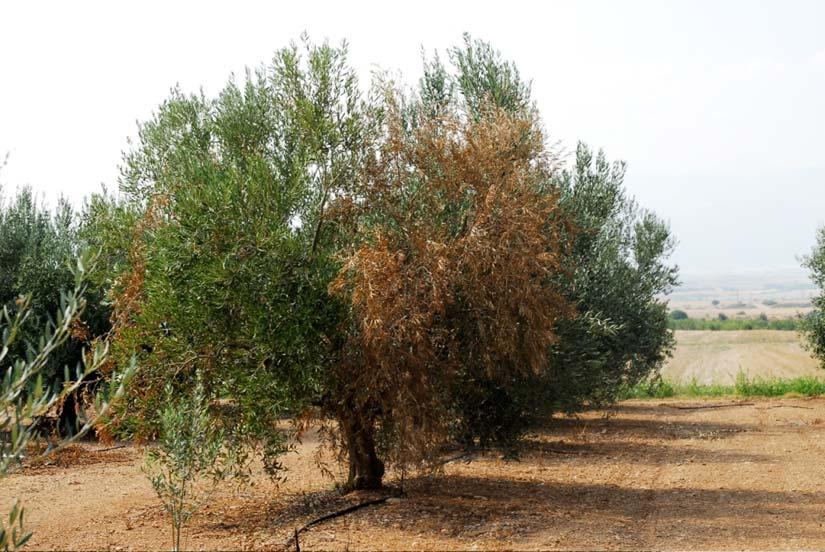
[(620, 277), (813, 325)]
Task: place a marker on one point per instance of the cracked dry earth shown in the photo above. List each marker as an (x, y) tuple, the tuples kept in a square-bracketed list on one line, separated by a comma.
[(651, 475)]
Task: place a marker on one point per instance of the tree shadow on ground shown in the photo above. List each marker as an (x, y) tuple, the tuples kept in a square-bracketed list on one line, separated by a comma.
[(499, 511), (608, 451), (644, 428), (496, 504)]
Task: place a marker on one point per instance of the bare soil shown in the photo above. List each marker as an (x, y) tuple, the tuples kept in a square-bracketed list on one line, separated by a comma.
[(647, 475)]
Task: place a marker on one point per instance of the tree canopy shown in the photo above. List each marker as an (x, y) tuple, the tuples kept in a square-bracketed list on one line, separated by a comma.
[(813, 327), (408, 265)]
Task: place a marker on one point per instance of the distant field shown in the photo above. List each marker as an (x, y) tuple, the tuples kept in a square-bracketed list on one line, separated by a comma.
[(711, 357), (705, 310)]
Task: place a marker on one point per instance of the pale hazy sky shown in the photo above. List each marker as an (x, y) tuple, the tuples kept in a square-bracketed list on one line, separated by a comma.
[(718, 107)]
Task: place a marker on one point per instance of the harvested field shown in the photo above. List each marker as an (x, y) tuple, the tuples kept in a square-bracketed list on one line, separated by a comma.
[(652, 475), (715, 357)]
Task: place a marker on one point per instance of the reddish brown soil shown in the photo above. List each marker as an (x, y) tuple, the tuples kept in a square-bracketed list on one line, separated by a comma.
[(651, 476)]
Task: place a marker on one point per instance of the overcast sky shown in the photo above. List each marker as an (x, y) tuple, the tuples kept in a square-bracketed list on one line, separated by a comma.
[(718, 107)]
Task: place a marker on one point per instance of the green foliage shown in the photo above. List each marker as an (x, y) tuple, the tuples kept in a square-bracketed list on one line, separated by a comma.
[(785, 324), (483, 75), (227, 245), (775, 387), (36, 247), (619, 262), (13, 535), (678, 315), (658, 388), (813, 326), (24, 396), (191, 457)]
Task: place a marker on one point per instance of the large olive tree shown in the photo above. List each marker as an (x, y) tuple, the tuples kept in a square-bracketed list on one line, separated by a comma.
[(298, 245), (407, 264)]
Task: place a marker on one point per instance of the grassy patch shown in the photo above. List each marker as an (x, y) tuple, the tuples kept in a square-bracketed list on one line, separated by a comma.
[(787, 324), (744, 387)]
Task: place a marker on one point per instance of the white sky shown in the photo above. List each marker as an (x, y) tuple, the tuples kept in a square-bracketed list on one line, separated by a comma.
[(718, 107)]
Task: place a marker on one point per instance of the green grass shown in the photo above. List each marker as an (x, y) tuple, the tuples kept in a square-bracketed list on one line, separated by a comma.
[(787, 324), (744, 387)]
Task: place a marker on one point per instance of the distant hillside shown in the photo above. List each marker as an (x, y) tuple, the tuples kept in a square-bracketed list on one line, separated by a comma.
[(778, 292)]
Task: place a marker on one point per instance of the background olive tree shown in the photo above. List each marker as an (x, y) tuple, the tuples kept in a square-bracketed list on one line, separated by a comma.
[(25, 394), (37, 249)]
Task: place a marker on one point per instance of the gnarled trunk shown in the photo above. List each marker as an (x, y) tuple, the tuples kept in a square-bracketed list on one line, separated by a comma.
[(68, 420), (366, 470)]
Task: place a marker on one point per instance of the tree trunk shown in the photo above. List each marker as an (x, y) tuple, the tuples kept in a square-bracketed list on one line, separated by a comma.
[(366, 470), (68, 419)]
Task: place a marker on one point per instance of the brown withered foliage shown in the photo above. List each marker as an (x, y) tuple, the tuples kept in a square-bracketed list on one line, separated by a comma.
[(459, 244), (125, 337)]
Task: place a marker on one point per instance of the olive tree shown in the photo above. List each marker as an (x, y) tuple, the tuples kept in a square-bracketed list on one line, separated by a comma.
[(408, 265), (300, 245), (37, 249), (25, 396), (620, 277), (190, 459), (813, 326)]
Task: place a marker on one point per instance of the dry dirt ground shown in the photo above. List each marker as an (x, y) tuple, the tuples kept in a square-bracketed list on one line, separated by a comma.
[(716, 357), (651, 475)]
